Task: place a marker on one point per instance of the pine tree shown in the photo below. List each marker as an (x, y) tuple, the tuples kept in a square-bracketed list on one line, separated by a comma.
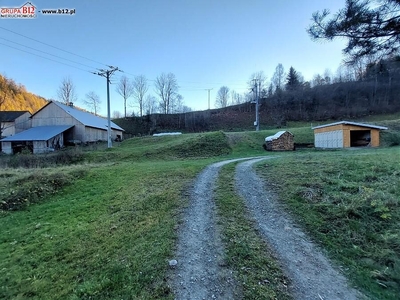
[(370, 27), (292, 79)]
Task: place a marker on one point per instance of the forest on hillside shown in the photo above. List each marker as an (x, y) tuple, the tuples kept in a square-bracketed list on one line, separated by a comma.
[(361, 90), (15, 97)]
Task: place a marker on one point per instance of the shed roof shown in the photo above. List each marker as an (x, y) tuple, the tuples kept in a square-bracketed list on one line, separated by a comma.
[(40, 133), (351, 123), (275, 136), (84, 117), (10, 116)]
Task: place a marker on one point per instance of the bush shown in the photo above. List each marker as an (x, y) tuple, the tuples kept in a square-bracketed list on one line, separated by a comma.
[(66, 156)]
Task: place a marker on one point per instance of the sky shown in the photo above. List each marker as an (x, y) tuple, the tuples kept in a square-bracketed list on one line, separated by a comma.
[(205, 43)]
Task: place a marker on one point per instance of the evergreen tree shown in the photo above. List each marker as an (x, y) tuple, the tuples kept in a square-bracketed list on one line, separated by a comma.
[(292, 79), (371, 27)]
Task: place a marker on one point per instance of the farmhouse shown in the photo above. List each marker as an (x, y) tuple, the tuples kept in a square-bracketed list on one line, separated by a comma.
[(12, 122), (280, 141), (55, 124), (346, 134)]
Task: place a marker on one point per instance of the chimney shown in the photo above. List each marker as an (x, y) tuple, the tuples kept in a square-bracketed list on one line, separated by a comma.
[(71, 104)]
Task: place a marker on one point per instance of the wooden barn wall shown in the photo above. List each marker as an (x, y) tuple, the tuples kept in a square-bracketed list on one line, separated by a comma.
[(23, 122), (48, 146), (8, 128), (95, 134), (6, 147), (54, 115)]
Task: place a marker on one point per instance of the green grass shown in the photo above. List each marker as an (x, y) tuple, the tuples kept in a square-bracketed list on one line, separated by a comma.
[(108, 236), (350, 203), (254, 265), (105, 227)]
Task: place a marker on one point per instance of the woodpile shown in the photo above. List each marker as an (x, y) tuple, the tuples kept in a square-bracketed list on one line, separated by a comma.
[(281, 141)]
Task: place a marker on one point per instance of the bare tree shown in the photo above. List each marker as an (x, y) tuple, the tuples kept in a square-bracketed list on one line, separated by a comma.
[(150, 104), (116, 114), (92, 101), (222, 97), (66, 91), (236, 98), (279, 77), (261, 80), (140, 88), (125, 89), (166, 87), (177, 104)]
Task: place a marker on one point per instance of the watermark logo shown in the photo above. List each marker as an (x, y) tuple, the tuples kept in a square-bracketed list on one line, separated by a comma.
[(29, 11), (26, 11)]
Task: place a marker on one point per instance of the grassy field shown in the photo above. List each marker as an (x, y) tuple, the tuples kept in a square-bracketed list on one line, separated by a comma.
[(349, 201), (104, 226)]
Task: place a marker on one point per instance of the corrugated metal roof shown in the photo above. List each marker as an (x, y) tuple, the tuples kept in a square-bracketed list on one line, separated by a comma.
[(10, 116), (275, 136), (351, 123), (87, 118), (40, 133), (84, 117)]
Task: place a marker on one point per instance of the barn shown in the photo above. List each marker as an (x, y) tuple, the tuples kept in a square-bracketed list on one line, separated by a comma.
[(346, 134), (12, 122), (55, 124), (39, 139), (280, 141)]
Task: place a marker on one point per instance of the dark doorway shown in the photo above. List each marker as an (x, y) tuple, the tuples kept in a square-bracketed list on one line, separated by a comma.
[(18, 147), (360, 138)]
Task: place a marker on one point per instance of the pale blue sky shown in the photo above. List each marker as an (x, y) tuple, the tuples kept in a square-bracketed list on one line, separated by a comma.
[(205, 43)]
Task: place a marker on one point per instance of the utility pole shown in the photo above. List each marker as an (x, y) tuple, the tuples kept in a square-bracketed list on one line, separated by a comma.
[(208, 97), (257, 86), (107, 74)]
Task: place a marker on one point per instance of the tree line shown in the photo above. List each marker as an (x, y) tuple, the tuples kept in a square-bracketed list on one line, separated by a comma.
[(15, 97)]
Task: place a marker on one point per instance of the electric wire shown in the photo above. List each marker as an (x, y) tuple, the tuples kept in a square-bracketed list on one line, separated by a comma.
[(69, 52), (47, 53), (46, 58)]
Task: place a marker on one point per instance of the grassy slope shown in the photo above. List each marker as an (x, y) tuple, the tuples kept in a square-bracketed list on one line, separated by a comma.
[(349, 202), (110, 233)]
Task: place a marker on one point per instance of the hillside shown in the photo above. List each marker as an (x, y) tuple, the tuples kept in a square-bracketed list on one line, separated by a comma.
[(15, 97)]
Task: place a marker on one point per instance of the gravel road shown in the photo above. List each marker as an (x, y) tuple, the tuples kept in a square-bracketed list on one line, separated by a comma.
[(199, 271), (311, 273)]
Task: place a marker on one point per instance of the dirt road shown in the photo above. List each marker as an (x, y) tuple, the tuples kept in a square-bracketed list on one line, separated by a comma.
[(200, 272)]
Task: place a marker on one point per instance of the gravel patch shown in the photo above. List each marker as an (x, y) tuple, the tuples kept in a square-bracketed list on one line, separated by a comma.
[(312, 275)]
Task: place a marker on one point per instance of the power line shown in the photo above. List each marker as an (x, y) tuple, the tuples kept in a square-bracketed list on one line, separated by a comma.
[(47, 53), (53, 46), (46, 58), (107, 74)]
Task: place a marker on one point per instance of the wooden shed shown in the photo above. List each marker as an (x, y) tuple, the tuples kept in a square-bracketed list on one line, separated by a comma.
[(280, 141), (346, 134)]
